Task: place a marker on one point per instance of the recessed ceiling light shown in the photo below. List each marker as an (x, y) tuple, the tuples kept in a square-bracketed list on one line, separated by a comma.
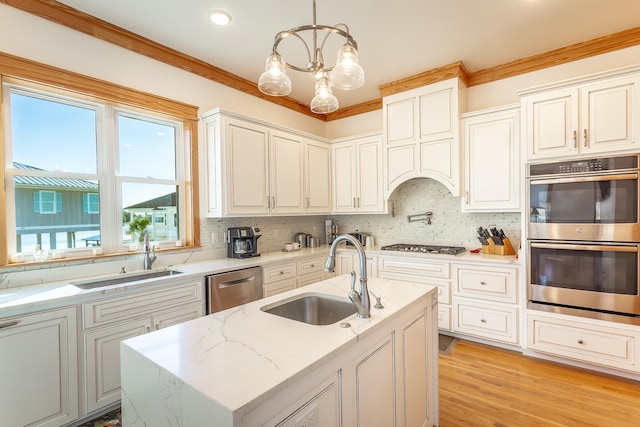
[(220, 17)]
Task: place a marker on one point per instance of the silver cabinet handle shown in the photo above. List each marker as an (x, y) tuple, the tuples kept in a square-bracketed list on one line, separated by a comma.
[(584, 137), (9, 324), (575, 139), (358, 201), (148, 329), (268, 202), (354, 202), (483, 320), (157, 326), (483, 283), (580, 342), (467, 197), (307, 203), (274, 201)]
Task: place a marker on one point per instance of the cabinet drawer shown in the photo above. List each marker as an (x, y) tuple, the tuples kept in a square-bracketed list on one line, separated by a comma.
[(488, 321), (444, 317), (308, 279), (591, 343), (279, 287), (311, 265), (279, 272), (490, 283), (394, 268), (105, 311)]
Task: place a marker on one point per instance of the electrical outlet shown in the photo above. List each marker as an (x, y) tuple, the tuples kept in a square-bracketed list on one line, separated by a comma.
[(310, 418)]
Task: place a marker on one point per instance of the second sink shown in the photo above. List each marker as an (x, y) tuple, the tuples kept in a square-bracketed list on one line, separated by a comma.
[(99, 282), (313, 309)]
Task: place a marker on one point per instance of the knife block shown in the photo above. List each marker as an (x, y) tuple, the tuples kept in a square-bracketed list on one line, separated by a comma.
[(490, 248), (507, 249)]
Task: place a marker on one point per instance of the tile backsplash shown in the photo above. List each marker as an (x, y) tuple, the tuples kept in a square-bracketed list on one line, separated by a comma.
[(449, 226)]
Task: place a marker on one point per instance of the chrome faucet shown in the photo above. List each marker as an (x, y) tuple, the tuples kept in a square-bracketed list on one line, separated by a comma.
[(149, 252), (360, 300)]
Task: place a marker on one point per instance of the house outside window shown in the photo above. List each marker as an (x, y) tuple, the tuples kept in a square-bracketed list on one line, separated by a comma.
[(95, 160)]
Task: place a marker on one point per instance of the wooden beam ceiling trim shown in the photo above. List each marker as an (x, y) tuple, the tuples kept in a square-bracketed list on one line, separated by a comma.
[(80, 21), (455, 69), (574, 52)]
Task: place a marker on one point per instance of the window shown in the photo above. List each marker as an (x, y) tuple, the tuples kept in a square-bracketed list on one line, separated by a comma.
[(47, 202), (94, 159), (90, 203)]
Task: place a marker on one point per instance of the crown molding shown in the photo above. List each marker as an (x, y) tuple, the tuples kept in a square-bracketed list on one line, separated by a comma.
[(85, 23)]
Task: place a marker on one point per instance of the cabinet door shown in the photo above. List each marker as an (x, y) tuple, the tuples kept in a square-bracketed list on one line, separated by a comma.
[(344, 177), (286, 184), (175, 317), (608, 115), (369, 197), (552, 124), (344, 263), (278, 287), (400, 123), (375, 387), (247, 154), (102, 361), (317, 160), (38, 369), (492, 162), (438, 116)]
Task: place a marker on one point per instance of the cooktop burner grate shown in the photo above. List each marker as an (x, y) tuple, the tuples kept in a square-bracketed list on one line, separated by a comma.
[(427, 249)]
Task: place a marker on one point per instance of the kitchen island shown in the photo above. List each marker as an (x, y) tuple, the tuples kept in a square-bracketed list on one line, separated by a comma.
[(247, 367)]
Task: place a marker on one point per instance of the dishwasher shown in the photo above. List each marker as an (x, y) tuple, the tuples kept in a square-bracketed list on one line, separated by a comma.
[(233, 288)]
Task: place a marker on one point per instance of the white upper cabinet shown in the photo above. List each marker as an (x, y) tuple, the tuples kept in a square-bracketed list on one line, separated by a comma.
[(600, 114), (422, 136), (492, 160), (254, 169), (317, 177), (357, 175)]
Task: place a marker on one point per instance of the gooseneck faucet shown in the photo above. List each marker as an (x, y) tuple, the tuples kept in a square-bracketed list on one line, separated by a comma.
[(360, 300), (149, 252)]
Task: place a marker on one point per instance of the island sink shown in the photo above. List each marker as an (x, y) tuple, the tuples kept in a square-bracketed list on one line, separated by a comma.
[(313, 309), (118, 279)]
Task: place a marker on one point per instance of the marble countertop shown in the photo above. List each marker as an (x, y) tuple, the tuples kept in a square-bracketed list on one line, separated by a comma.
[(243, 355), (22, 299)]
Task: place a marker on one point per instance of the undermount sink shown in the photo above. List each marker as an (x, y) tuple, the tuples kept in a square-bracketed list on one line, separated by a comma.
[(118, 279), (313, 309)]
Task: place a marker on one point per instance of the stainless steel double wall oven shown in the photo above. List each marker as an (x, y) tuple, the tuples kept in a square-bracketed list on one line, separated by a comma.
[(584, 237)]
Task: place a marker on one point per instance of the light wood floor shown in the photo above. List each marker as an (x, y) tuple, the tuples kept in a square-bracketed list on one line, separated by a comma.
[(486, 386)]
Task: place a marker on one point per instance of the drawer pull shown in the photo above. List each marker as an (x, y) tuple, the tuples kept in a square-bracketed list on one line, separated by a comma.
[(157, 326), (483, 320), (8, 324), (483, 283), (580, 342), (148, 329), (281, 272)]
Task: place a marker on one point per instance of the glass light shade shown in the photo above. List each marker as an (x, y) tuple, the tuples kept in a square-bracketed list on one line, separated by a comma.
[(324, 102), (347, 74), (274, 81)]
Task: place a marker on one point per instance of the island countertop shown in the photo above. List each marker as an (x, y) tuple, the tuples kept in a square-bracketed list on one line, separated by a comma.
[(239, 358)]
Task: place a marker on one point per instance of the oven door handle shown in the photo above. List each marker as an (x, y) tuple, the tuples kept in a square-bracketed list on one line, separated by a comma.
[(620, 177), (585, 247)]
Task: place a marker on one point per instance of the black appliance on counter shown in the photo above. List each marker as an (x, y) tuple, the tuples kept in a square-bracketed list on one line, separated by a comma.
[(360, 237), (243, 242), (426, 249)]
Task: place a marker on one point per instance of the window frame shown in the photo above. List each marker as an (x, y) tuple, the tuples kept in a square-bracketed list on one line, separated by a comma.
[(29, 75)]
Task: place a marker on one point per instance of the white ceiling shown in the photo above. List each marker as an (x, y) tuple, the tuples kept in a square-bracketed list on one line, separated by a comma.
[(395, 38)]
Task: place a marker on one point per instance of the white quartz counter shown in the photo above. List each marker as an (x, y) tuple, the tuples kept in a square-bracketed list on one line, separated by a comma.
[(55, 293), (240, 357)]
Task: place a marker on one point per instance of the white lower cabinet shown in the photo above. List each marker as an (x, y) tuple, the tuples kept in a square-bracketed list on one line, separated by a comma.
[(421, 270), (279, 278), (112, 320), (348, 261), (585, 340), (387, 379), (485, 302), (38, 369)]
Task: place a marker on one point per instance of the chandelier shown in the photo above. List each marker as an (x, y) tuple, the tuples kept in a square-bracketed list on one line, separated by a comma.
[(346, 74)]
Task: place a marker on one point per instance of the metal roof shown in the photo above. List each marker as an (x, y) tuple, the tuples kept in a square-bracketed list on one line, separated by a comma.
[(41, 181)]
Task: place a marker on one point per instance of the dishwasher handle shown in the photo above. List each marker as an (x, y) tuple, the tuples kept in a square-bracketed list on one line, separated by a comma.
[(231, 283)]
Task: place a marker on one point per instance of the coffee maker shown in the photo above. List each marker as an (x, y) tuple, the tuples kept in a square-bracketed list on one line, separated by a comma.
[(243, 242)]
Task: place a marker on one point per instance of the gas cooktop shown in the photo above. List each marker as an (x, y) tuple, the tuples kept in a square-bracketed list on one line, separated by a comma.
[(427, 249)]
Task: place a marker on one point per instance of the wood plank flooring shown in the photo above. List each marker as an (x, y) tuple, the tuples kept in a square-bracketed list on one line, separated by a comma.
[(486, 386)]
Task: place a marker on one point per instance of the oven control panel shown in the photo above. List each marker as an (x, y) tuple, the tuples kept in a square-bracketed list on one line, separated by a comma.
[(605, 164)]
